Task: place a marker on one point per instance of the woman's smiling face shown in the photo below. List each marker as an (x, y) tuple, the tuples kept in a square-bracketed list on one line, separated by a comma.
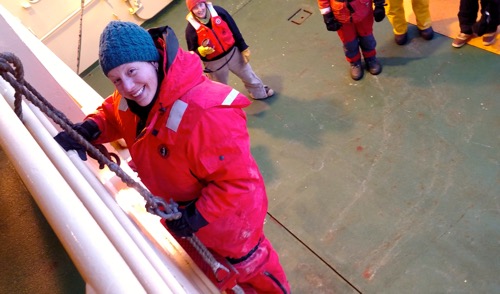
[(200, 10), (137, 81)]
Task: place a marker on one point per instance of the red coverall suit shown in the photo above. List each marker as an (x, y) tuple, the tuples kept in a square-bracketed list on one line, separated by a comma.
[(357, 28), (195, 147)]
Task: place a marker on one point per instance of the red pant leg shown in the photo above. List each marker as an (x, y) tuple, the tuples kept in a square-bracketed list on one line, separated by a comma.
[(262, 271)]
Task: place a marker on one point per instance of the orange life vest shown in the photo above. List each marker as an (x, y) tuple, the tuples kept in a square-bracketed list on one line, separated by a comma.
[(218, 37)]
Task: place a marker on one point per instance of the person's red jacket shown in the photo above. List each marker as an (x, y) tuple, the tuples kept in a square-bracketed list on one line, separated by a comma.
[(359, 10), (196, 146)]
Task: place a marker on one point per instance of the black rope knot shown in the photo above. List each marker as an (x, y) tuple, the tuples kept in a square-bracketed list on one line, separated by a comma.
[(11, 70)]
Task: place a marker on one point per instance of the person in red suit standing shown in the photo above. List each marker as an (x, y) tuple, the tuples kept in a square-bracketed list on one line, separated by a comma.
[(353, 21)]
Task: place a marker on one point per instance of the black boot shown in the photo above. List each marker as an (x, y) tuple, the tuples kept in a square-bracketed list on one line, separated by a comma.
[(356, 70), (427, 34), (373, 65), (401, 39)]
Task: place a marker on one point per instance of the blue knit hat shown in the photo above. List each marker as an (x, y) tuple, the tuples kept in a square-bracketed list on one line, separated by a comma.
[(123, 42)]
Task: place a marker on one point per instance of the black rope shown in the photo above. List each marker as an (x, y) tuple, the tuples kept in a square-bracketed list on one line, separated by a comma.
[(79, 52), (12, 71)]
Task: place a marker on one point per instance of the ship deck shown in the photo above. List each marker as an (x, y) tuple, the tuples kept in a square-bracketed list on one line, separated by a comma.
[(389, 184)]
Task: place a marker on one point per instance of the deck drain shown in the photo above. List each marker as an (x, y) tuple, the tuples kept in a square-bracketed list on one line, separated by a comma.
[(300, 16)]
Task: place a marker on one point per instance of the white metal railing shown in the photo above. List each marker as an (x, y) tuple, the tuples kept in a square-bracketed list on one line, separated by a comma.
[(115, 244), (69, 193), (93, 254)]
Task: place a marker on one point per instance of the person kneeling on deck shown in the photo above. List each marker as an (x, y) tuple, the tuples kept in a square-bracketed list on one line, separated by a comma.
[(212, 33), (189, 142)]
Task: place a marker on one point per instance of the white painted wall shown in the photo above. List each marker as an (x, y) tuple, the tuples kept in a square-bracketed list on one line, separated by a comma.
[(57, 23)]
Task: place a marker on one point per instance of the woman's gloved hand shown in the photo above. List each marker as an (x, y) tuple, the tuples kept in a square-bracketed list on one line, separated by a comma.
[(246, 55), (68, 143), (379, 10), (190, 222), (88, 129), (332, 24), (205, 50)]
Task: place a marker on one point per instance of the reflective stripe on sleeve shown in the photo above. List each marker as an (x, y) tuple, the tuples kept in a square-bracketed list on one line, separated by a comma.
[(175, 116), (325, 10), (230, 97)]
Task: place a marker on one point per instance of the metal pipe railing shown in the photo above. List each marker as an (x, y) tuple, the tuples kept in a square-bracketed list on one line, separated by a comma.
[(143, 259), (155, 259), (95, 257), (115, 232)]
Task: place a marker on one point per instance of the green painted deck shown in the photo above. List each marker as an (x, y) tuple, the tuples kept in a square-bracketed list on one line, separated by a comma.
[(390, 184)]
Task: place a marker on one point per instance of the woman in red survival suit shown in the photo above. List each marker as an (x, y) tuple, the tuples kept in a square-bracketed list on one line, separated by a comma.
[(189, 142)]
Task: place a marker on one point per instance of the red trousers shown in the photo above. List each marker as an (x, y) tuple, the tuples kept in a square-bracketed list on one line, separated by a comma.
[(261, 272), (358, 35)]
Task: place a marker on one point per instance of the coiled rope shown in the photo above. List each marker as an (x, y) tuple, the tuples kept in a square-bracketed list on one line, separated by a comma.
[(12, 71), (14, 75)]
